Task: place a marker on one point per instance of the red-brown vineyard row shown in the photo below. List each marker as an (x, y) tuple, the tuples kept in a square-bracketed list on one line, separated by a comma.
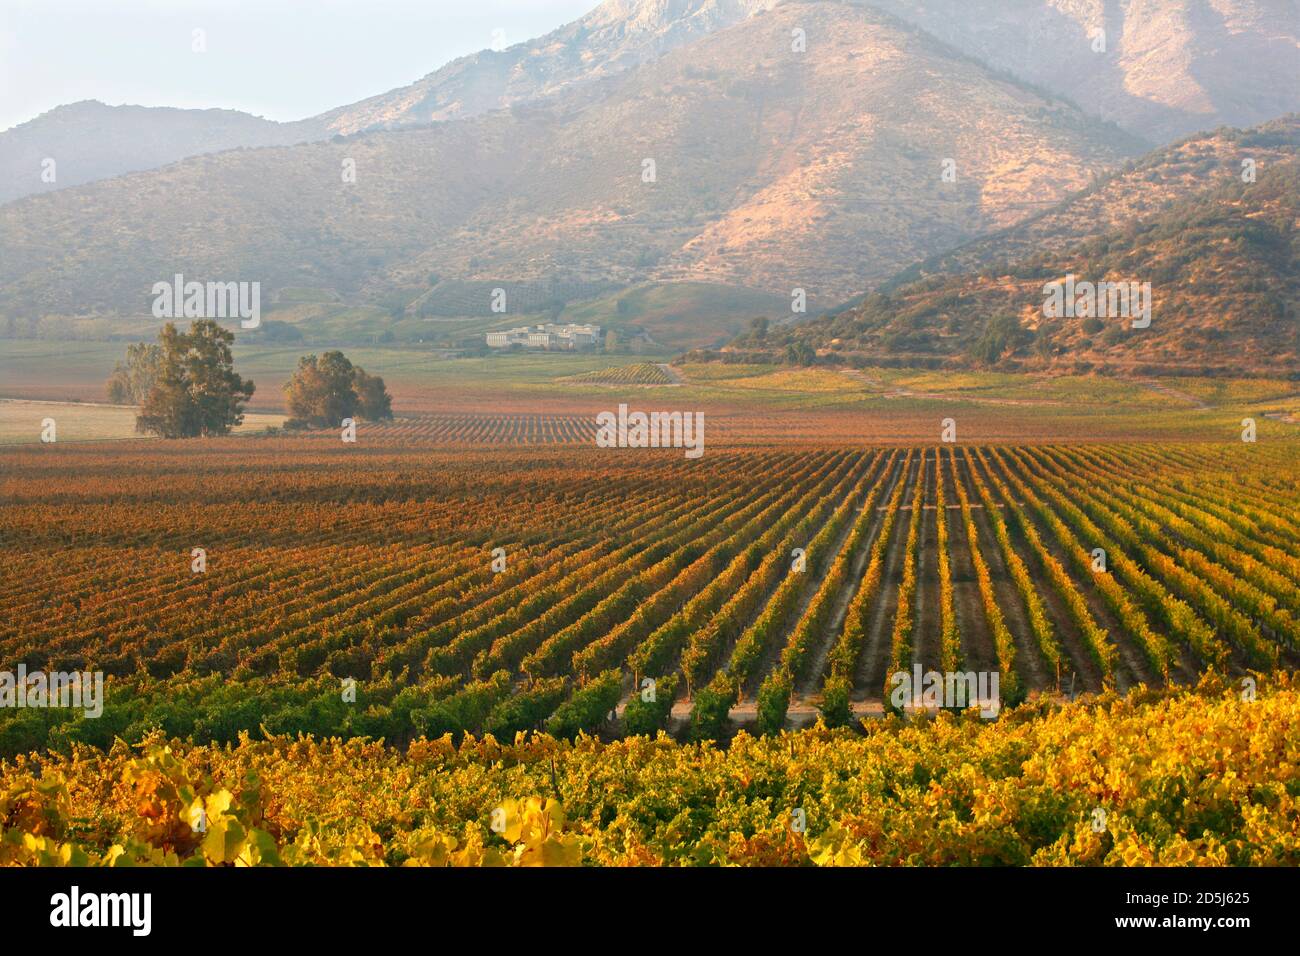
[(517, 587), (643, 373), (493, 429)]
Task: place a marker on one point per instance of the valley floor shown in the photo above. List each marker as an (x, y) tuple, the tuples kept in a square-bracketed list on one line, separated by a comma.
[(488, 570)]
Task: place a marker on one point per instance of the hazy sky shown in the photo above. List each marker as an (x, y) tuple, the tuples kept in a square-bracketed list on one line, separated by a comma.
[(282, 59)]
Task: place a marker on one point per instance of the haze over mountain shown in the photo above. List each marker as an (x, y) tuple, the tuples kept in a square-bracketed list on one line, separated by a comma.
[(93, 141), (775, 168), (1170, 67), (88, 141)]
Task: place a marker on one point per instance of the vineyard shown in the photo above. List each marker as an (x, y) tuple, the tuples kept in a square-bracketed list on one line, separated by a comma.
[(403, 588), (645, 373), (472, 429), (1072, 784), (707, 433)]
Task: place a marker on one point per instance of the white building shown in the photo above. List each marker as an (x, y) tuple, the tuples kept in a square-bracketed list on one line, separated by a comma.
[(546, 336), (503, 340), (584, 334)]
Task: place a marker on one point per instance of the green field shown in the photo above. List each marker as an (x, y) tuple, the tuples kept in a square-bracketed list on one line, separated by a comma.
[(997, 405), (681, 314)]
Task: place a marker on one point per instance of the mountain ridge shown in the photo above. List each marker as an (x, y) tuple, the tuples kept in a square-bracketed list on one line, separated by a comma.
[(127, 138), (1172, 67), (1161, 70), (776, 170), (616, 35)]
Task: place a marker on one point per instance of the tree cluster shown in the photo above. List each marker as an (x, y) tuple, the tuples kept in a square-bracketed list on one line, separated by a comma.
[(132, 381), (327, 389), (194, 389), (186, 386)]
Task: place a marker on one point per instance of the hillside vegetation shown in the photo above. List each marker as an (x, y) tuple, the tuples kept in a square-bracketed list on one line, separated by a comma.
[(1225, 284), (1139, 189)]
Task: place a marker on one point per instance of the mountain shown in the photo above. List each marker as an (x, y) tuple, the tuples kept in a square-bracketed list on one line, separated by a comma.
[(89, 141), (1169, 67), (775, 169), (1224, 272), (1139, 189), (615, 36)]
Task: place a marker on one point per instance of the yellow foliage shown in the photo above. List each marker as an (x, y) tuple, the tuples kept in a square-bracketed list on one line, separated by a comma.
[(1193, 777)]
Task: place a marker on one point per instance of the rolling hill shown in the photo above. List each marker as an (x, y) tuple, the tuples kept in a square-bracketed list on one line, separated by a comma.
[(1224, 274), (1137, 190)]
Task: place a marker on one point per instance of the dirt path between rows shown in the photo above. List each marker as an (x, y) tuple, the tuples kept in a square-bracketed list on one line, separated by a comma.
[(1080, 671), (1132, 667), (869, 679), (772, 654), (925, 632), (839, 471), (1031, 666), (977, 650), (1185, 669), (1186, 397), (671, 372), (815, 676)]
